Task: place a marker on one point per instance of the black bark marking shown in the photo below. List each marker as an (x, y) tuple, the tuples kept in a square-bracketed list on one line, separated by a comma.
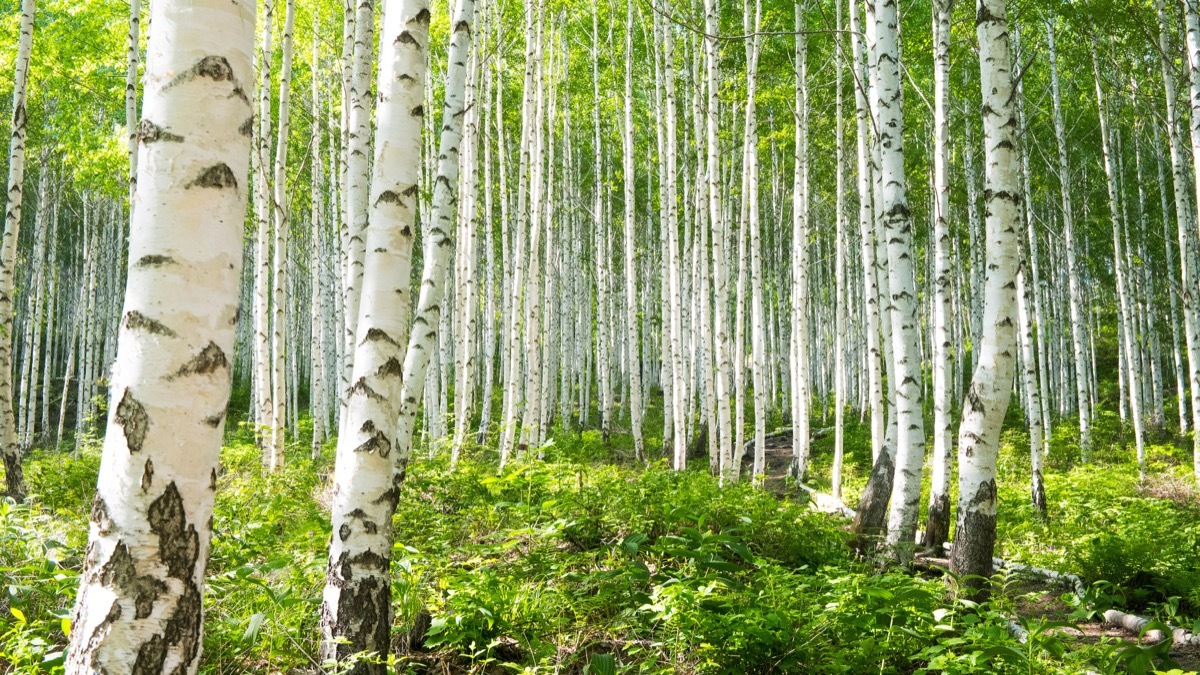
[(1038, 493), (418, 111), (120, 572), (411, 191), (133, 419), (215, 68), (375, 334), (391, 497), (151, 657), (114, 615), (212, 485), (422, 16), (149, 132), (361, 387), (937, 526), (388, 197), (344, 532), (178, 543), (100, 514), (974, 544), (214, 421), (247, 128), (376, 443), (148, 475), (135, 320), (218, 176), (363, 614), (872, 506), (209, 360), (406, 38), (390, 368), (154, 261)]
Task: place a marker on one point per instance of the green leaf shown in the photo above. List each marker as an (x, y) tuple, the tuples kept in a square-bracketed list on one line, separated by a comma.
[(254, 625), (17, 613), (603, 664)]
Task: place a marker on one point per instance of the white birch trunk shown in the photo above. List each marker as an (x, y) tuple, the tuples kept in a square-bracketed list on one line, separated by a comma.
[(1192, 22), (631, 280), (723, 421), (262, 250), (279, 298), (937, 528), (905, 338), (1132, 363), (1083, 400), (991, 385), (133, 59), (319, 311), (139, 606), (9, 447), (357, 596)]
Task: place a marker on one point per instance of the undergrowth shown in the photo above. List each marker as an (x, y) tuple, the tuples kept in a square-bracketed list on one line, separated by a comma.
[(576, 564)]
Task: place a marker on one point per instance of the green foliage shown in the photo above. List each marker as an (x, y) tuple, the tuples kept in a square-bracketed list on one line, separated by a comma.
[(578, 565)]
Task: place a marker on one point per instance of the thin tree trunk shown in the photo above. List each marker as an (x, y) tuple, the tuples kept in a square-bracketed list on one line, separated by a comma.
[(905, 338), (279, 296), (937, 527), (356, 615), (1083, 400), (9, 447), (991, 385), (631, 279)]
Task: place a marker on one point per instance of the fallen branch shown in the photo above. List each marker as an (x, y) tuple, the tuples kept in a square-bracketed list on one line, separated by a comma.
[(1136, 624)]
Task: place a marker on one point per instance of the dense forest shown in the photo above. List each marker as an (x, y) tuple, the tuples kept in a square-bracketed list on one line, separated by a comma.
[(655, 336)]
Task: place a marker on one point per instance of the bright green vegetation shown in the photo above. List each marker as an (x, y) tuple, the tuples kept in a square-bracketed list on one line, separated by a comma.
[(578, 565)]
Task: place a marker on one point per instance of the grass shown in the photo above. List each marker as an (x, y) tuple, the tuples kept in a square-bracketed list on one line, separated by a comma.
[(585, 564)]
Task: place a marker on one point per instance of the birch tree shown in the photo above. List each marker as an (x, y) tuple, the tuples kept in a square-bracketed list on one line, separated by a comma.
[(356, 614), (937, 527), (1074, 293), (9, 446), (987, 399), (280, 262), (910, 432), (139, 603)]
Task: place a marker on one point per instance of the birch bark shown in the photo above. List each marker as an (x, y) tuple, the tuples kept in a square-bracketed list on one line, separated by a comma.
[(356, 615), (991, 385), (139, 607), (279, 297), (1083, 400), (9, 447)]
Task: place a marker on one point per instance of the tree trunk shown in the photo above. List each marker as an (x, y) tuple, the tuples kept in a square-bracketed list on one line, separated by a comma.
[(357, 596), (139, 607), (262, 249), (905, 338), (279, 297), (631, 279), (937, 527), (9, 447), (1192, 21), (1074, 293), (991, 385)]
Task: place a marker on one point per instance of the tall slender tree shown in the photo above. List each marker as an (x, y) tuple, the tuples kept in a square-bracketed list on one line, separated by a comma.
[(991, 384), (9, 446)]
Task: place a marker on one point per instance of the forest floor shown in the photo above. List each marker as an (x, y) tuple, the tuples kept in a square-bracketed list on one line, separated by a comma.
[(584, 563)]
